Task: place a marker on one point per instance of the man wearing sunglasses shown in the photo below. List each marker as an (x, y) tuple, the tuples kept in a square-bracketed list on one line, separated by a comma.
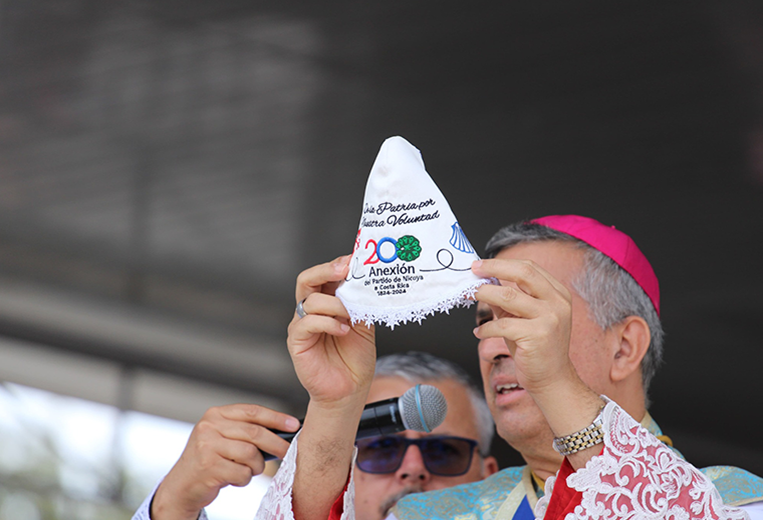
[(456, 452), (388, 467), (574, 319)]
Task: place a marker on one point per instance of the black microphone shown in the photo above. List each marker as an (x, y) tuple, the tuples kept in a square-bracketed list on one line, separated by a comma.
[(422, 408)]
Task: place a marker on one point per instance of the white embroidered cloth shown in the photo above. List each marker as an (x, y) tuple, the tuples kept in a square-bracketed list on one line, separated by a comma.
[(636, 477), (639, 477), (411, 257)]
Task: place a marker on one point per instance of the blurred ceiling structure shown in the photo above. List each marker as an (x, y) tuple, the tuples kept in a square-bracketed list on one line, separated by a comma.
[(168, 168)]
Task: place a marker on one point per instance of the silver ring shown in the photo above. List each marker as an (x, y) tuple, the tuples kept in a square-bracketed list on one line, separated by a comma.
[(301, 312)]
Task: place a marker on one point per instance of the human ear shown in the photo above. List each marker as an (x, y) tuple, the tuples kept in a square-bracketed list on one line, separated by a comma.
[(633, 337), (489, 466)]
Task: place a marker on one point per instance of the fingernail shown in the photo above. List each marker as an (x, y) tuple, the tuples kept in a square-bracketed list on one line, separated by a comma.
[(341, 263), (476, 264), (344, 328), (476, 332), (292, 423)]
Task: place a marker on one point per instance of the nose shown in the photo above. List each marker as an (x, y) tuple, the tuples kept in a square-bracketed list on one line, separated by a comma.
[(412, 470), (493, 349)]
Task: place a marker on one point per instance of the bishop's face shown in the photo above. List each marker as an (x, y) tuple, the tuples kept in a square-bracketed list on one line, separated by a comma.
[(518, 420)]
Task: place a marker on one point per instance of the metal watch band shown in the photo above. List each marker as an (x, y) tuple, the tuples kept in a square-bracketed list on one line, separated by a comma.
[(591, 435)]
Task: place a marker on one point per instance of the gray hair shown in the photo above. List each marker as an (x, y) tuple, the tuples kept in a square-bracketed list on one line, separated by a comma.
[(610, 292), (422, 366)]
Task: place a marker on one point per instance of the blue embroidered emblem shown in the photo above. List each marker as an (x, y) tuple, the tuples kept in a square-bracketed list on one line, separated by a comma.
[(459, 241)]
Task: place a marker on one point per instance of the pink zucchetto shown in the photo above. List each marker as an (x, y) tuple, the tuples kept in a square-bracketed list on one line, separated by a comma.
[(614, 243)]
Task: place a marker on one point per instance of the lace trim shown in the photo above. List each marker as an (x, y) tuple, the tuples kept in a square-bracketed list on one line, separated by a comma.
[(348, 513), (638, 477), (276, 504), (391, 317)]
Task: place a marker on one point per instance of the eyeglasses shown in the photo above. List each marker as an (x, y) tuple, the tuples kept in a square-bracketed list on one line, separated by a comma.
[(443, 455)]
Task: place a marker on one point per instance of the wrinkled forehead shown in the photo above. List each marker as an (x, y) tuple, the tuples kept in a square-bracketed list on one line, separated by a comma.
[(561, 258), (385, 387)]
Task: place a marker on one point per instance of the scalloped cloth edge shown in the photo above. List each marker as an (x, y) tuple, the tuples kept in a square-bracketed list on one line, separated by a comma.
[(394, 316)]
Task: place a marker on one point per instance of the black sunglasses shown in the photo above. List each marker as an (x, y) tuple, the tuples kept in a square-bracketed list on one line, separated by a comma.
[(443, 455)]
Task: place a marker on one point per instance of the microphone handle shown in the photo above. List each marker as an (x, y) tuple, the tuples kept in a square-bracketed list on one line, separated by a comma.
[(382, 418), (378, 418)]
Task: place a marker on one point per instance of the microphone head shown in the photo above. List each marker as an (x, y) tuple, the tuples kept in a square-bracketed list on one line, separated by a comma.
[(422, 408)]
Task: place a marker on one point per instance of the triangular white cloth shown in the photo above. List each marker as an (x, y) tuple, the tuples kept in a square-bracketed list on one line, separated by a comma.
[(411, 257)]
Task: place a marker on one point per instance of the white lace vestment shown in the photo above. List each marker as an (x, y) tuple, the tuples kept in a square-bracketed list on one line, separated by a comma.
[(635, 477), (638, 477)]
